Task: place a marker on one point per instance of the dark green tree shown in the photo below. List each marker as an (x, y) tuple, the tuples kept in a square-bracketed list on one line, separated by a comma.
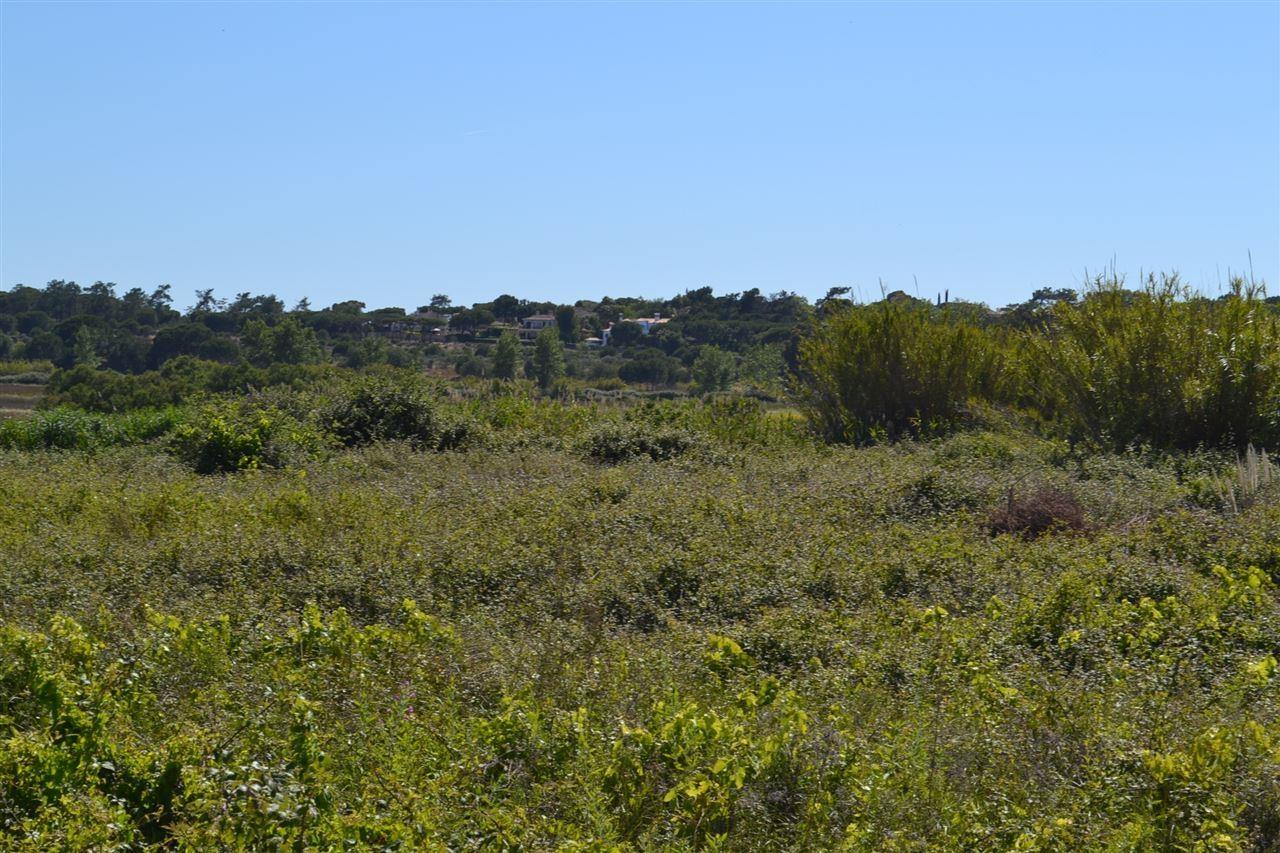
[(548, 357), (288, 342), (43, 346), (506, 307), (470, 319), (506, 356), (173, 341), (625, 334), (566, 322)]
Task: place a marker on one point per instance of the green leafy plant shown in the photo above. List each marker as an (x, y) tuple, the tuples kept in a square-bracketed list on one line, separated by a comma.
[(890, 370)]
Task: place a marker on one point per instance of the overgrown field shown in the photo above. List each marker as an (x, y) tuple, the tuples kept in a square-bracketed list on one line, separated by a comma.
[(21, 387), (687, 628)]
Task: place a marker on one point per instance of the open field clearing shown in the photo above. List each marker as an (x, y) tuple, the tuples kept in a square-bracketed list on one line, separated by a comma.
[(17, 399)]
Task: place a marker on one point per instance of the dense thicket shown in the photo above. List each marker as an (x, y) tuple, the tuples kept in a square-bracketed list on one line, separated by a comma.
[(1159, 366), (891, 369)]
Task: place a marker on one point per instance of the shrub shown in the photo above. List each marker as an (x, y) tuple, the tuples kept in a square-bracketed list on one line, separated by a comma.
[(1041, 511), (222, 437), (650, 367), (628, 441), (381, 408), (890, 370), (31, 377), (713, 369), (11, 368), (1161, 366), (377, 409)]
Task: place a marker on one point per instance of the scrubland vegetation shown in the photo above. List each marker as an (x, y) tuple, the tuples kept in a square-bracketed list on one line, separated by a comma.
[(988, 581)]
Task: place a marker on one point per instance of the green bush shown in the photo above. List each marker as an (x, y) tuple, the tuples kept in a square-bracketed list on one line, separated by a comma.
[(10, 368), (178, 380), (890, 370), (1161, 366), (225, 436), (388, 408), (623, 442), (713, 370)]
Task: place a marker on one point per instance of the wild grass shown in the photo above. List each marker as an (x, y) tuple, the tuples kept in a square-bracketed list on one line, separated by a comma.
[(1252, 476)]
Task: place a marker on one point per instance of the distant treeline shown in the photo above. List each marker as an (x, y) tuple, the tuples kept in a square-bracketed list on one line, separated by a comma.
[(138, 331)]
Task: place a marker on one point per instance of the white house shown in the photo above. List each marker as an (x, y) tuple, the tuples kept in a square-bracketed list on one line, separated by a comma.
[(646, 324), (530, 326)]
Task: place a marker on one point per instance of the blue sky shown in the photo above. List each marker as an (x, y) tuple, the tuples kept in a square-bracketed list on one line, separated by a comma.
[(387, 152)]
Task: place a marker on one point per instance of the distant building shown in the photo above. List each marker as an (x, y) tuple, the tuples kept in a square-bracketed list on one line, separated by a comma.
[(532, 325), (646, 324)]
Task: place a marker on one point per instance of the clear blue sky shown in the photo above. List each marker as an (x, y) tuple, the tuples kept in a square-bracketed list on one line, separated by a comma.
[(389, 152)]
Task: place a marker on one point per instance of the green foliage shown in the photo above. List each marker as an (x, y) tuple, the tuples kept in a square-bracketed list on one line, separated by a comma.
[(226, 436), (651, 367), (628, 441), (626, 334), (713, 370), (382, 408), (764, 365), (288, 342), (765, 643), (506, 356), (1161, 366), (890, 370), (10, 369), (66, 428), (777, 645), (567, 324), (548, 358), (180, 379), (85, 347)]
